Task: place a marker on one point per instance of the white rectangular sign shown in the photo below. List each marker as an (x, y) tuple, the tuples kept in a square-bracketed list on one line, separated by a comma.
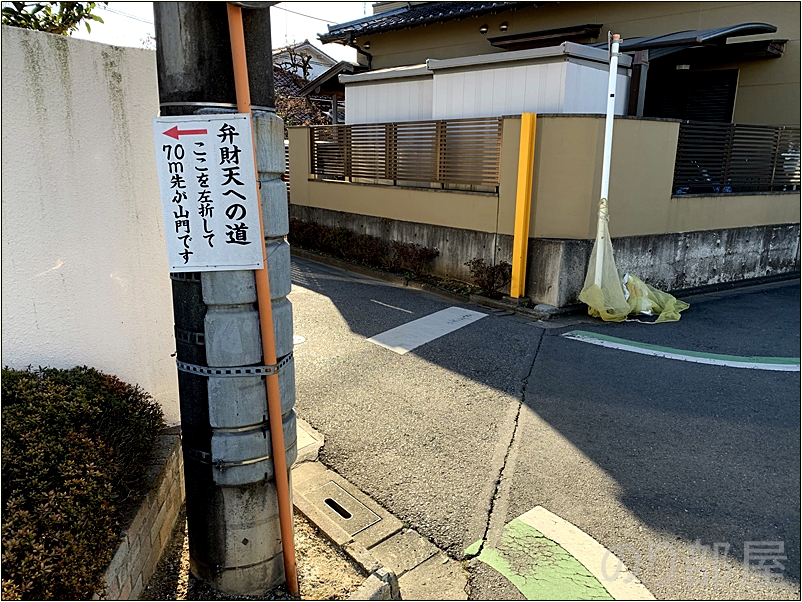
[(208, 189)]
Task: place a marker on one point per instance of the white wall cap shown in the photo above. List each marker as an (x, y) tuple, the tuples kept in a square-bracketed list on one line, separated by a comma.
[(566, 49), (389, 73)]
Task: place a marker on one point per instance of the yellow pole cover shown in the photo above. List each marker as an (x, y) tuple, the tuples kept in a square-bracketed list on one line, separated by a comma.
[(523, 202)]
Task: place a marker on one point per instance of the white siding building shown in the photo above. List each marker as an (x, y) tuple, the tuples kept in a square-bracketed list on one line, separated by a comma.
[(569, 78)]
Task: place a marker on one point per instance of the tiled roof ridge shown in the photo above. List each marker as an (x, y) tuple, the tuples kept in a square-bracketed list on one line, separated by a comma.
[(414, 16)]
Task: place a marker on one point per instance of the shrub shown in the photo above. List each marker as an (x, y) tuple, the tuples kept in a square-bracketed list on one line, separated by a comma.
[(75, 444), (369, 250), (413, 257), (489, 278), (304, 234)]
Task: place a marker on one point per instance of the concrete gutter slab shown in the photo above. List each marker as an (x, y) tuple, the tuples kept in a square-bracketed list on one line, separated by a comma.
[(439, 578), (404, 551), (309, 442)]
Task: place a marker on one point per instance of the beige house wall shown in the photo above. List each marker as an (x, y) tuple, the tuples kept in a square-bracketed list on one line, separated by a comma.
[(768, 89), (688, 214), (565, 190), (567, 181)]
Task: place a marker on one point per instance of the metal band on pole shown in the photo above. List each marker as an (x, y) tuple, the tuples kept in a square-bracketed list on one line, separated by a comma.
[(234, 371)]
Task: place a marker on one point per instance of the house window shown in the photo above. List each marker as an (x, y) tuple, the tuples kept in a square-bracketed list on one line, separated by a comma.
[(691, 95)]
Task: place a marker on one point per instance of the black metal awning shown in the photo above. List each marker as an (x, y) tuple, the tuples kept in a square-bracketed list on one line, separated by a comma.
[(546, 37), (672, 42)]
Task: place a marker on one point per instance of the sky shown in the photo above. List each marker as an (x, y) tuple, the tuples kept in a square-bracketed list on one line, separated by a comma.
[(131, 24)]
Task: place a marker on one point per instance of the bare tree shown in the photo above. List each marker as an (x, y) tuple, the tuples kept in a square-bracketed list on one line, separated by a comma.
[(297, 62)]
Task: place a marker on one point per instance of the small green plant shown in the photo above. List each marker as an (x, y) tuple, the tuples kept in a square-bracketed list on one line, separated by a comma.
[(75, 445), (489, 278)]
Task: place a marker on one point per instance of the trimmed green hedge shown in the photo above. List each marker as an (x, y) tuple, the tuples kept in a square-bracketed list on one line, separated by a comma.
[(75, 445)]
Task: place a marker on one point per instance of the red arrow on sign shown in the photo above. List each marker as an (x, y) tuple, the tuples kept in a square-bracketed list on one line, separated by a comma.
[(174, 132)]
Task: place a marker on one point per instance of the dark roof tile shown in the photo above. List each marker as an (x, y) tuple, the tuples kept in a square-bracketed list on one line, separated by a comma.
[(422, 14)]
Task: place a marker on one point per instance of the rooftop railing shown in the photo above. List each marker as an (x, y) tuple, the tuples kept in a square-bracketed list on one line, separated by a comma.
[(723, 158), (416, 153)]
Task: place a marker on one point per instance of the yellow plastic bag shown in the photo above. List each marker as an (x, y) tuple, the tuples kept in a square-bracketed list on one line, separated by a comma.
[(605, 299), (610, 298), (645, 299)]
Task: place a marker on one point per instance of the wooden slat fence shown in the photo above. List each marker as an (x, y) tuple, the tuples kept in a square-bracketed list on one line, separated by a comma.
[(719, 158), (456, 151)]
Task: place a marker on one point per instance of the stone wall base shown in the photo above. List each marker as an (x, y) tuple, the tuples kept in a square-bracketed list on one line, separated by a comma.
[(149, 531), (556, 267)]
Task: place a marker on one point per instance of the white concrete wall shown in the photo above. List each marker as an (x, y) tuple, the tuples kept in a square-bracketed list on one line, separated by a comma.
[(385, 101), (85, 278)]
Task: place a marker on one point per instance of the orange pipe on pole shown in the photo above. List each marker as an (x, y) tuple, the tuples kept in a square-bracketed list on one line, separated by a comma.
[(237, 35)]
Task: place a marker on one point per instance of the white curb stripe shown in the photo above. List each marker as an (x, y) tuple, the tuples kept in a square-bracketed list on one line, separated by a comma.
[(681, 357), (406, 337), (603, 564)]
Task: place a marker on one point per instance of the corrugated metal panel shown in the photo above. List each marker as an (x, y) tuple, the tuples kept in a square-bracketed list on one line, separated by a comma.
[(500, 91), (555, 87), (586, 90), (461, 151), (716, 158), (380, 102)]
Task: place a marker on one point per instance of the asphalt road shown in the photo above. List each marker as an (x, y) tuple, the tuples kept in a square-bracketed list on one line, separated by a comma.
[(645, 454)]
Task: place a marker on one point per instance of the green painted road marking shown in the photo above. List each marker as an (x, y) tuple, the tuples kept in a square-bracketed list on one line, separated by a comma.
[(538, 567), (781, 364), (473, 549)]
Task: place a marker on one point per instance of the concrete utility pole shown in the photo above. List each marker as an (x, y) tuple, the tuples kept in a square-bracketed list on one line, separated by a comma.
[(232, 510)]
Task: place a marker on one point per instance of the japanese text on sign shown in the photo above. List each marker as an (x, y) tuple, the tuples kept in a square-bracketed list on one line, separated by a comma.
[(209, 197)]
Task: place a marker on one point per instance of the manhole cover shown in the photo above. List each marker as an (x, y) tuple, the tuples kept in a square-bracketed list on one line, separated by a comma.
[(298, 339), (345, 510)]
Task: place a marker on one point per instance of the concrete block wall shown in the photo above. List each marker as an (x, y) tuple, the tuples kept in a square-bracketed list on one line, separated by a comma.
[(670, 262), (149, 531), (456, 245)]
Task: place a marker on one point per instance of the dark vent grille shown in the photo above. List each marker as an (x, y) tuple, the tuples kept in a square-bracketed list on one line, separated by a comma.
[(716, 158), (691, 95)]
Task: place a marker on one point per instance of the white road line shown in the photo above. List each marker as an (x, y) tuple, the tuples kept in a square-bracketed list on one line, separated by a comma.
[(605, 566), (391, 306), (413, 334), (676, 354)]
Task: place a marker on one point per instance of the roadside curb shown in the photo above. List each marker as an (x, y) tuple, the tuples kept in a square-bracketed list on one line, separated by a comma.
[(400, 564), (538, 313), (380, 585)]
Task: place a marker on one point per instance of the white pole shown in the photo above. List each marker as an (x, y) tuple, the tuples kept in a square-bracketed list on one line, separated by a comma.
[(608, 151)]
